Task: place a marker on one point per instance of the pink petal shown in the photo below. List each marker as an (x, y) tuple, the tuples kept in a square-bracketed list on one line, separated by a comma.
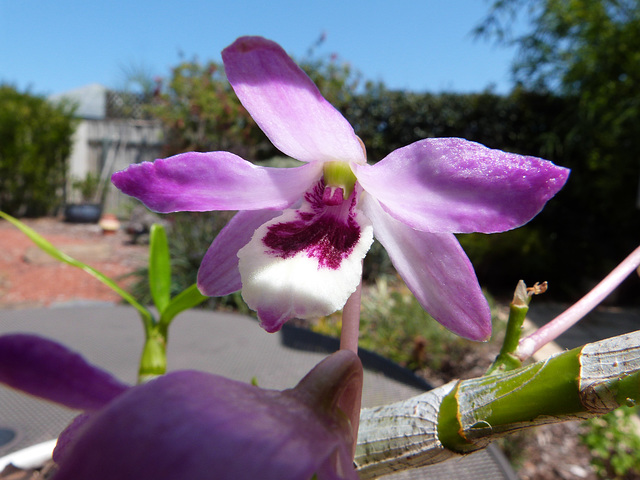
[(450, 185), (201, 182), (49, 370), (287, 105), (437, 271), (218, 274)]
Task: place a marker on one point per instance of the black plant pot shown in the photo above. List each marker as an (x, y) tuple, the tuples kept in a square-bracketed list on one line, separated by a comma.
[(83, 213)]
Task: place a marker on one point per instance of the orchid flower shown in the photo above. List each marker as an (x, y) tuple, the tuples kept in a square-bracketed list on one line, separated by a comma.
[(190, 424), (295, 247)]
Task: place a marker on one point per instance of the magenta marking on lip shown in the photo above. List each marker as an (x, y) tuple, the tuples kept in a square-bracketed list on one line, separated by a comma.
[(327, 233), (332, 196)]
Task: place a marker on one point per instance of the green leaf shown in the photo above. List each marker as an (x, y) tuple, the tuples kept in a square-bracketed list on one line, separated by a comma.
[(47, 247), (185, 300), (159, 267)]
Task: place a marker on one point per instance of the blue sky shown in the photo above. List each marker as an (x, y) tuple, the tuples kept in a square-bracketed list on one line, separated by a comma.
[(422, 45)]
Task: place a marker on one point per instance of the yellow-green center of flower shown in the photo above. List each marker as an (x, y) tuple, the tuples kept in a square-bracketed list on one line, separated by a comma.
[(338, 177)]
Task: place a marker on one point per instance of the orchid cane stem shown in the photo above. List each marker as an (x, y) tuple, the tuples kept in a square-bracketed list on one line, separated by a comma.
[(531, 344)]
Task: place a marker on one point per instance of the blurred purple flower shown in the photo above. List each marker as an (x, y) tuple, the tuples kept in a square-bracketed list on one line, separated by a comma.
[(297, 244), (190, 424)]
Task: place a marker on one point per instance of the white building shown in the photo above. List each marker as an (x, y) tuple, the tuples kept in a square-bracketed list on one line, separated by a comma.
[(112, 133)]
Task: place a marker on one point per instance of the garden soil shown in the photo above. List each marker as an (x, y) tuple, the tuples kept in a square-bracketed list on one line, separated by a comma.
[(30, 278)]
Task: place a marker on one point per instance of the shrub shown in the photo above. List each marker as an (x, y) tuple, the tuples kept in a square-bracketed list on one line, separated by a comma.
[(394, 325), (614, 442), (35, 141)]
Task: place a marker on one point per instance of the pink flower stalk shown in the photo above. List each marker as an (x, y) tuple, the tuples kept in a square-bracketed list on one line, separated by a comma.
[(295, 247), (189, 424), (556, 327)]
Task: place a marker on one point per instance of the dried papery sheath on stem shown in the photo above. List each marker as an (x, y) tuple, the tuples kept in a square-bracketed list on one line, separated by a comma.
[(465, 416)]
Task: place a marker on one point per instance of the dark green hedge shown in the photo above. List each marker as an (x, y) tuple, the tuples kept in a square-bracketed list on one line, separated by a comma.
[(590, 226), (35, 141)]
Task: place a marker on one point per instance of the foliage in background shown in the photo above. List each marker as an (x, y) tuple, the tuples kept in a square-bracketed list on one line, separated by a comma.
[(614, 442), (35, 141), (200, 112), (571, 47), (338, 81), (586, 52), (394, 325)]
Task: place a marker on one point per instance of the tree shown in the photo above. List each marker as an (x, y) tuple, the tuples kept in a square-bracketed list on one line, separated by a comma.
[(588, 52), (200, 112), (571, 44)]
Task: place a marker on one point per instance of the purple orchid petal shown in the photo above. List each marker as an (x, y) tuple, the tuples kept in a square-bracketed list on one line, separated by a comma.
[(199, 182), (69, 435), (437, 271), (336, 383), (49, 370), (218, 274), (199, 426), (287, 105), (450, 185)]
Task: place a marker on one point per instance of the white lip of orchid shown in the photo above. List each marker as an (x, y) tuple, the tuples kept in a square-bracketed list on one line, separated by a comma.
[(306, 262)]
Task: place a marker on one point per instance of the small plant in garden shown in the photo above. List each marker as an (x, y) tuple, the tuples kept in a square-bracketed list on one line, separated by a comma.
[(394, 324), (87, 187), (615, 442), (189, 235)]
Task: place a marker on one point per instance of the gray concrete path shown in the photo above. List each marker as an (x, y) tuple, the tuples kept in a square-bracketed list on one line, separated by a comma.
[(226, 344)]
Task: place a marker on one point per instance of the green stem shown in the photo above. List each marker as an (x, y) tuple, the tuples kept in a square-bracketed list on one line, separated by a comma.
[(466, 415), (47, 247), (153, 361), (506, 359)]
